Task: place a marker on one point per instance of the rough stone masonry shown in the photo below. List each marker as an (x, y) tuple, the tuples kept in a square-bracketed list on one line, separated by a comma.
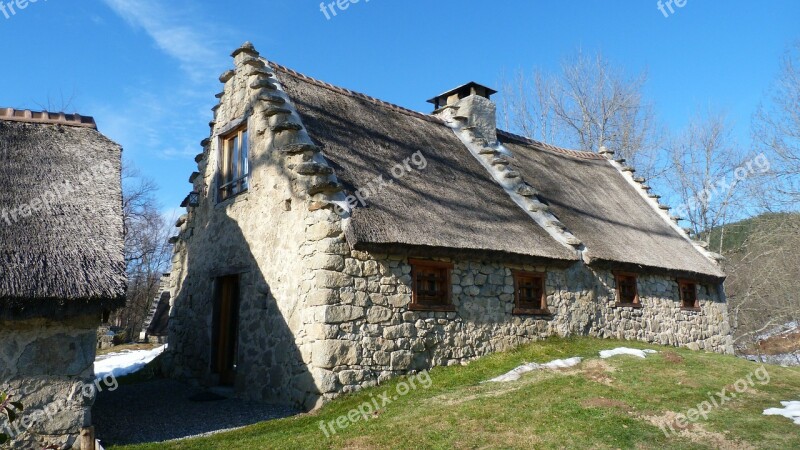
[(318, 318)]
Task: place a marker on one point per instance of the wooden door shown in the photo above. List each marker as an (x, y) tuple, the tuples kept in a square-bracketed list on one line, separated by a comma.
[(226, 329)]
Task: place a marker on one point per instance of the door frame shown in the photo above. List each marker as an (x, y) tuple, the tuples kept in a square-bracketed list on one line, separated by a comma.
[(225, 328)]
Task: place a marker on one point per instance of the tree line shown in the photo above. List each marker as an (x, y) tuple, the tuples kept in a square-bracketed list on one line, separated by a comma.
[(713, 180)]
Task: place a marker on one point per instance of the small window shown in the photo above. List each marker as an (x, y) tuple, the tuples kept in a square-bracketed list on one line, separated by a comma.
[(431, 285), (234, 164), (688, 291), (529, 293), (627, 292)]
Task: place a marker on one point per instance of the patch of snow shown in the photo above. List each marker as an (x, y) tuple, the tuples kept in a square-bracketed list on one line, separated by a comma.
[(790, 410), (787, 328), (563, 363), (626, 351), (783, 360), (503, 150), (514, 374), (125, 363)]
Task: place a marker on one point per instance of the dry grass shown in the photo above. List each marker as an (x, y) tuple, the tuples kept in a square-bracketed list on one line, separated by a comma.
[(128, 347), (782, 344)]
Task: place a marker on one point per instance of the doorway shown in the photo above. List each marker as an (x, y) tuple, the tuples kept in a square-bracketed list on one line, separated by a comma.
[(226, 330)]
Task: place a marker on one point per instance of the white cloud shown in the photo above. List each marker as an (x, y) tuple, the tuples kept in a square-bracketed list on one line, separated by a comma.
[(179, 32), (161, 124)]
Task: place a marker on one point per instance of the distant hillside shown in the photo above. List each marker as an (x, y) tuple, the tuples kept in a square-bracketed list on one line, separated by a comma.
[(763, 267), (736, 235)]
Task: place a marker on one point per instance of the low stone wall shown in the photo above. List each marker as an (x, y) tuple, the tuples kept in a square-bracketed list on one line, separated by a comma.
[(42, 364), (369, 334)]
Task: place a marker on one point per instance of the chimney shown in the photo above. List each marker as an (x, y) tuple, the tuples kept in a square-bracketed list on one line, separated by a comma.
[(471, 105)]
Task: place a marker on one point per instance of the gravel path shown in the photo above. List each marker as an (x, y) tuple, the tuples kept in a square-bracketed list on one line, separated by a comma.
[(163, 410)]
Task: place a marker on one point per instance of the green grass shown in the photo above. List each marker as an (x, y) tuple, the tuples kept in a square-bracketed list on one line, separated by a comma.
[(616, 403)]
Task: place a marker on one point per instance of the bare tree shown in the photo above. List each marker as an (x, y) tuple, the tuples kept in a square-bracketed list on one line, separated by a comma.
[(704, 180), (587, 105), (147, 249), (60, 104), (763, 286), (776, 129)]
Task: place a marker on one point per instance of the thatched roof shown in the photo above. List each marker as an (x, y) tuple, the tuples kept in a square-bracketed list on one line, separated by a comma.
[(613, 220), (61, 244), (453, 204)]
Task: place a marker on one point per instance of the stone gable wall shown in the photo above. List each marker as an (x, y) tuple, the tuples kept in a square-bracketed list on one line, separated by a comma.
[(259, 235)]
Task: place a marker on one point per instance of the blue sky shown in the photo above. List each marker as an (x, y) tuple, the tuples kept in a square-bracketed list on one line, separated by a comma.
[(148, 70)]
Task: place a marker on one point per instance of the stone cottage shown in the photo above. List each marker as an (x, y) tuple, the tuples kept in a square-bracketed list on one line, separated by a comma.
[(333, 240), (61, 268)]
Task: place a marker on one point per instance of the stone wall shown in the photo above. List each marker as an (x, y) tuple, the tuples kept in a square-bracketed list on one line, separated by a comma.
[(318, 319), (371, 335), (257, 235), (45, 365)]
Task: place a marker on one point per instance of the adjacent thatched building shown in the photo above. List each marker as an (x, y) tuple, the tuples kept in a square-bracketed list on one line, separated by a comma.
[(61, 267), (333, 240)]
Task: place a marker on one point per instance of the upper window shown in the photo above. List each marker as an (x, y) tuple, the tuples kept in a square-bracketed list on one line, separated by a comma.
[(688, 290), (627, 292), (529, 293), (431, 285), (234, 164)]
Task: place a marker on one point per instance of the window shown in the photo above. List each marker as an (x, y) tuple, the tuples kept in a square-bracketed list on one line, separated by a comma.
[(431, 285), (627, 293), (688, 291), (529, 293), (234, 164)]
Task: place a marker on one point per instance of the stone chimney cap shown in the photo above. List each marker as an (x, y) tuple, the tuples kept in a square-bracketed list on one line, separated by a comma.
[(247, 47), (471, 88)]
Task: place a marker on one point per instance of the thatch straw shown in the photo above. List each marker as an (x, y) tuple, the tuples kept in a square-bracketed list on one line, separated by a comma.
[(454, 205), (61, 244), (451, 204), (605, 212)]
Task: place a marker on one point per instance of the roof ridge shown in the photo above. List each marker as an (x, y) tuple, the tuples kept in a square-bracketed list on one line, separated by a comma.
[(428, 117), (45, 117), (551, 147), (360, 95)]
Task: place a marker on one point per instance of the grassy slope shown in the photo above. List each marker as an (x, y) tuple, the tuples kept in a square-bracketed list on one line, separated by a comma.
[(599, 404)]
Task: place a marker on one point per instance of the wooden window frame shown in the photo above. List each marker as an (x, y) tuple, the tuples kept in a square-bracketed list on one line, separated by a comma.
[(447, 271), (238, 183), (525, 309), (681, 284), (637, 303)]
